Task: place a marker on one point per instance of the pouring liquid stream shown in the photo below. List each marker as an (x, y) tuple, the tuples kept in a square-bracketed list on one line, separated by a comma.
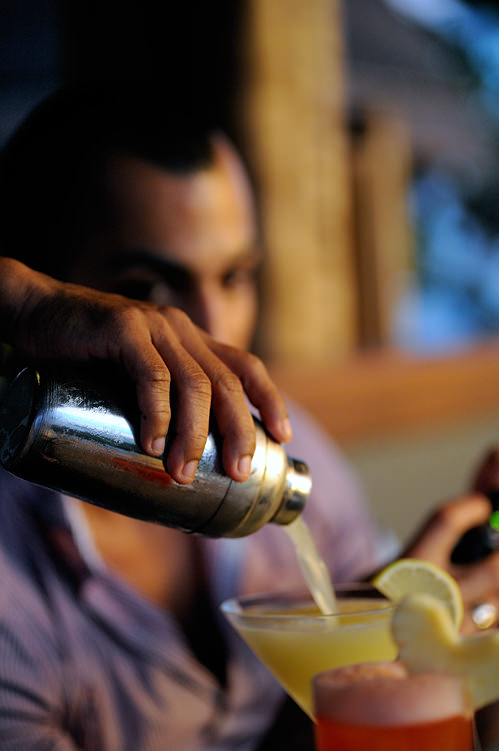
[(313, 566)]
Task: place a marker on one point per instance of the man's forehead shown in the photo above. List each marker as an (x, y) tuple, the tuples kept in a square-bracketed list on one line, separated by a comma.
[(129, 179), (225, 164), (198, 212)]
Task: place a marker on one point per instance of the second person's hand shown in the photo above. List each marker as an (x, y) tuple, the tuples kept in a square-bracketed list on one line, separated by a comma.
[(478, 581)]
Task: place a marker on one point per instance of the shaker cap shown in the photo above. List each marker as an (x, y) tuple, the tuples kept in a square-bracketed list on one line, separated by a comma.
[(298, 487)]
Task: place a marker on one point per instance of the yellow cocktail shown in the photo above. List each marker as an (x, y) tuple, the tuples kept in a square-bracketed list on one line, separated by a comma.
[(295, 641)]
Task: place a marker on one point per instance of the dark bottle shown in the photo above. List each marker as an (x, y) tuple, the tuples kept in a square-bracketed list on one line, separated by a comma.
[(478, 542)]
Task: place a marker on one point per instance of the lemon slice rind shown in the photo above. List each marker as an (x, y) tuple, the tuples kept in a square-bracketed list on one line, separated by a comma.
[(410, 576)]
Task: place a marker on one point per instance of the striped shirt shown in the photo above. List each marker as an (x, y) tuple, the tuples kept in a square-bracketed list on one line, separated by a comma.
[(88, 664)]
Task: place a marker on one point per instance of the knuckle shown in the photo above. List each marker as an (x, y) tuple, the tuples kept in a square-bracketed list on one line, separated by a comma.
[(124, 319), (227, 381), (255, 371), (254, 363), (162, 412), (158, 376), (153, 317), (195, 441), (197, 380), (175, 317)]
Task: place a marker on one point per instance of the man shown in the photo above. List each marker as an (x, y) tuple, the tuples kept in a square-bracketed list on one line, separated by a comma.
[(160, 215), (111, 636)]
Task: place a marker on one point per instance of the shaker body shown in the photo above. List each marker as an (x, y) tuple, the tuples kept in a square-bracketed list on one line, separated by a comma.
[(72, 431)]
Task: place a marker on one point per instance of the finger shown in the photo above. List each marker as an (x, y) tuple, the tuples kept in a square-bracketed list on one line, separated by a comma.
[(193, 398), (129, 341), (440, 534), (232, 415), (149, 344), (152, 383), (259, 387), (234, 421), (191, 417)]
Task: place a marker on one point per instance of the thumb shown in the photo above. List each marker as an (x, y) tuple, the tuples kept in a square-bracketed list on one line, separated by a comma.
[(445, 527)]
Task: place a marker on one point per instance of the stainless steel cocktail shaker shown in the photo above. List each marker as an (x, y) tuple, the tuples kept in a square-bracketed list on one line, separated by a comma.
[(74, 432)]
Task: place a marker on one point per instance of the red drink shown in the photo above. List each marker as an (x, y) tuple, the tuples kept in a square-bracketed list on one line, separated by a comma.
[(376, 706), (451, 734)]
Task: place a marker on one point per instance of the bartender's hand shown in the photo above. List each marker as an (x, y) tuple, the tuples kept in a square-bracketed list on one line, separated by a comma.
[(157, 345)]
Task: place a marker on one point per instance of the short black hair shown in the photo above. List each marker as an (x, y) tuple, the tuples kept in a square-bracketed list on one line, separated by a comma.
[(52, 168)]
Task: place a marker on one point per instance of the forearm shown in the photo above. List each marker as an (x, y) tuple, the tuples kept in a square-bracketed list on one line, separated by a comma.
[(19, 287)]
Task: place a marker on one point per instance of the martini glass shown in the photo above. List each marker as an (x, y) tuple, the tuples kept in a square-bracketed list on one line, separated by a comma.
[(296, 641)]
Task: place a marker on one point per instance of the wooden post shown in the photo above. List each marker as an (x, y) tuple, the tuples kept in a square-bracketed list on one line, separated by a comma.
[(292, 120), (382, 164)]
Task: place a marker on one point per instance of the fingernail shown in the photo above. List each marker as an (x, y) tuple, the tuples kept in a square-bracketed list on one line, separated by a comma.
[(244, 465), (286, 429), (189, 470), (158, 446)]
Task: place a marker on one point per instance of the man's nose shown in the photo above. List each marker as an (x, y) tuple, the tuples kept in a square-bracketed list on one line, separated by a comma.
[(208, 311)]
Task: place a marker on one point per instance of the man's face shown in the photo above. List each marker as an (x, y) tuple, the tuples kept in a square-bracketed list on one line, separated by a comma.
[(187, 241)]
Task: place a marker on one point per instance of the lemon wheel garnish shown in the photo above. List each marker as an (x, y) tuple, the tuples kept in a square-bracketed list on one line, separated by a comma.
[(410, 576), (428, 642)]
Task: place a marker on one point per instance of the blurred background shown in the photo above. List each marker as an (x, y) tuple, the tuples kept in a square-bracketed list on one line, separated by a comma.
[(371, 131)]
